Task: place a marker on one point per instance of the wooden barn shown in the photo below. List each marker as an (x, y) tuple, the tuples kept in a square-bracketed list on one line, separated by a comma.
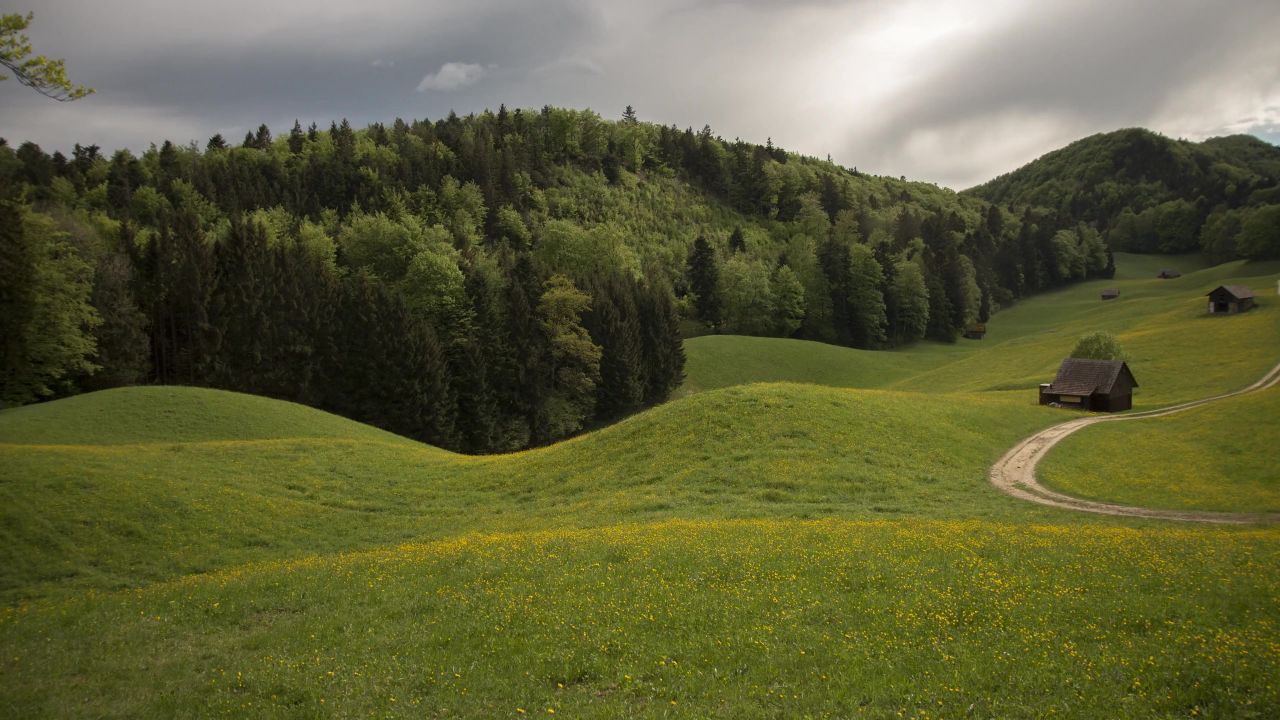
[(976, 331), (1110, 293), (1230, 299), (1169, 274), (1097, 385)]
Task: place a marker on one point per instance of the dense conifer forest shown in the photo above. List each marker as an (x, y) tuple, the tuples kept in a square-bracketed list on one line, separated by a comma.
[(488, 282)]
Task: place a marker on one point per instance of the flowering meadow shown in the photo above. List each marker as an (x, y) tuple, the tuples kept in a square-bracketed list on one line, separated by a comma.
[(686, 619), (762, 550)]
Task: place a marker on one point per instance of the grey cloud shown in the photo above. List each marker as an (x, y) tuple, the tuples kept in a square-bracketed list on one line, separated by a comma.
[(1084, 67), (451, 76), (1014, 82)]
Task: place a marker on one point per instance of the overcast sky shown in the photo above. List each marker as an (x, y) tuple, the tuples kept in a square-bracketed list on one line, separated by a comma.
[(953, 92)]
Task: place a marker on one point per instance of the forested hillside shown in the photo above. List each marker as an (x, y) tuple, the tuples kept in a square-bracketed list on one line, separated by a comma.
[(481, 283), (1147, 193)]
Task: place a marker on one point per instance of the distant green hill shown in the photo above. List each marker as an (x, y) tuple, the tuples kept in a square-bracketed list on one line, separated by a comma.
[(1148, 193)]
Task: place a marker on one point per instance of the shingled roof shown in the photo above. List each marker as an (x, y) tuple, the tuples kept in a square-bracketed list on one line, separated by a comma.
[(1078, 376), (1240, 292)]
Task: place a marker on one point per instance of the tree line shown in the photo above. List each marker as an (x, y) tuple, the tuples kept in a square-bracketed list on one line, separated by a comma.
[(485, 282)]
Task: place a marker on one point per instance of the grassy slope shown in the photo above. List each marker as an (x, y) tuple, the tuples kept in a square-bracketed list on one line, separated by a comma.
[(175, 415), (1215, 457), (1161, 323), (108, 516), (986, 605), (748, 619)]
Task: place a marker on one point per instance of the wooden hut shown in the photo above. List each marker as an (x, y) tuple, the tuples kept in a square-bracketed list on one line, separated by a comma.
[(976, 331), (1098, 385), (1110, 293), (1168, 274), (1226, 299)]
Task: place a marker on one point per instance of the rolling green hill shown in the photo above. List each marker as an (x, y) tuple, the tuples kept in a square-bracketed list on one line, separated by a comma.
[(1160, 323), (1148, 193), (754, 549), (112, 515), (174, 415)]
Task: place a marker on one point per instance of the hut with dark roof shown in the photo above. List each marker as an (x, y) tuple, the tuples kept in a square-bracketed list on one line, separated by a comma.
[(1098, 385), (976, 331), (1111, 293), (1168, 274), (1226, 299)]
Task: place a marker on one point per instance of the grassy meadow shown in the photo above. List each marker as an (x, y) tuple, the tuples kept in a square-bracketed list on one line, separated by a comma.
[(808, 532), (1176, 350), (1220, 456), (763, 618)]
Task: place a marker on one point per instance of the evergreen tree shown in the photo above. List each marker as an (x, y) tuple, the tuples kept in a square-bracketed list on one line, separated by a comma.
[(663, 347), (240, 310), (704, 281), (262, 139), (614, 324), (177, 273), (296, 138), (123, 346), (835, 266)]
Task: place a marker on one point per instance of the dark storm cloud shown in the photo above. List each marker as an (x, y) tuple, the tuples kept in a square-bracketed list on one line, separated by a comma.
[(953, 92)]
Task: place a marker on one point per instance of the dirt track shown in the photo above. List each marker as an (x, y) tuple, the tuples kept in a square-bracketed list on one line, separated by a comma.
[(1015, 472)]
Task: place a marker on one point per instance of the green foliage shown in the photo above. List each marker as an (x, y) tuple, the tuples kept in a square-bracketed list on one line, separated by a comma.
[(49, 320), (1098, 345), (1147, 193), (789, 303), (45, 76), (910, 299), (704, 281), (1259, 236), (866, 302), (122, 341), (433, 287), (463, 219), (575, 359), (747, 294)]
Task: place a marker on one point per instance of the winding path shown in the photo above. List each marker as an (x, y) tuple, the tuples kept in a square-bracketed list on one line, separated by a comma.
[(1015, 472)]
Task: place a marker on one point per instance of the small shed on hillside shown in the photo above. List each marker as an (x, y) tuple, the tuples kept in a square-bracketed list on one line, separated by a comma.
[(976, 331), (1230, 299), (1110, 293), (1167, 274), (1098, 385)]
